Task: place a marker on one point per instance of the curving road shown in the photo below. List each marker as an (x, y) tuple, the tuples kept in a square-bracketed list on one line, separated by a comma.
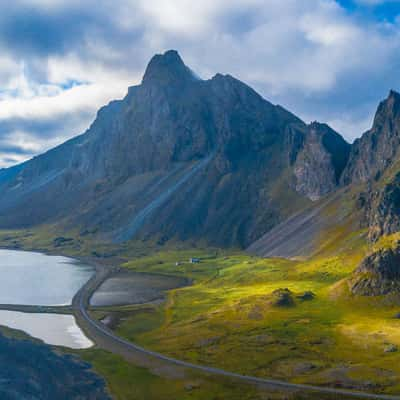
[(100, 333)]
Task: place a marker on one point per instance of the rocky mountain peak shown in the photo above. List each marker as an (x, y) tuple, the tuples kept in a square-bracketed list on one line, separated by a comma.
[(315, 125), (389, 109), (376, 150), (212, 152), (167, 68), (394, 96), (321, 160)]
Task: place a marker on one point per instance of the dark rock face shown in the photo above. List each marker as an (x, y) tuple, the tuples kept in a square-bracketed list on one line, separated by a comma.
[(377, 148), (320, 162), (382, 209), (180, 158), (168, 69), (371, 157), (378, 274), (33, 371)]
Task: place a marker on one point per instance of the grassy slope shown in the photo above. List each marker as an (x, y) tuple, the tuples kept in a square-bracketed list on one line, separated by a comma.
[(129, 382), (227, 319), (126, 381)]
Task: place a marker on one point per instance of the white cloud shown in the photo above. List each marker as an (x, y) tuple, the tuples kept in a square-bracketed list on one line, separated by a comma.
[(189, 17), (77, 99), (30, 100)]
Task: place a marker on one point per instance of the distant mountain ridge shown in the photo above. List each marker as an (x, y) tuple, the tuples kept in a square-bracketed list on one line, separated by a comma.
[(185, 159)]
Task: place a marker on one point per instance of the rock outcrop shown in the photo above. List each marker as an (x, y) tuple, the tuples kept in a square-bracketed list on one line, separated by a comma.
[(382, 209), (282, 298), (378, 274), (379, 147), (33, 371), (320, 162), (372, 161)]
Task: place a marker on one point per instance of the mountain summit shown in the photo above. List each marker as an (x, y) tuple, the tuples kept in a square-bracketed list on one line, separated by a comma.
[(178, 158), (379, 147), (166, 69)]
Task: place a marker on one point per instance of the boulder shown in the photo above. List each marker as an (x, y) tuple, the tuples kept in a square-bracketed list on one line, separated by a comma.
[(282, 298), (306, 296)]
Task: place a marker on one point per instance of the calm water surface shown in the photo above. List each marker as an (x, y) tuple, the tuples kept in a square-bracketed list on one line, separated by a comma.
[(55, 329), (36, 279)]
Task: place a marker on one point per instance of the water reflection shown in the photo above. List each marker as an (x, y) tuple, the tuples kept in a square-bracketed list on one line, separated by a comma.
[(55, 329), (37, 279)]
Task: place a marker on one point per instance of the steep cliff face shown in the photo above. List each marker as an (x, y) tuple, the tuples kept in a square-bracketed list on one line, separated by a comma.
[(178, 157), (378, 274), (320, 162), (378, 148), (374, 162), (381, 206)]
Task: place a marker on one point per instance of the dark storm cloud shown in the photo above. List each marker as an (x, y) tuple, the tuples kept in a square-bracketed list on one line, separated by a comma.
[(42, 128), (32, 34), (19, 137), (14, 150)]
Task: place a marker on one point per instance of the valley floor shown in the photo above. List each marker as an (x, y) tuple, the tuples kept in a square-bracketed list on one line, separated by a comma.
[(293, 320), (239, 316)]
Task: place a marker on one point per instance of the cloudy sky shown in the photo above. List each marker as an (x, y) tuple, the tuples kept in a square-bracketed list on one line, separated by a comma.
[(60, 60)]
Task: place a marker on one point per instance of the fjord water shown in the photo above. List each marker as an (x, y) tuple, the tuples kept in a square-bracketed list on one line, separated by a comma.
[(36, 279), (55, 329)]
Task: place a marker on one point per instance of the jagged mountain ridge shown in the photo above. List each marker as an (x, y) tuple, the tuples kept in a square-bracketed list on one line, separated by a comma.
[(178, 158), (369, 186), (377, 148)]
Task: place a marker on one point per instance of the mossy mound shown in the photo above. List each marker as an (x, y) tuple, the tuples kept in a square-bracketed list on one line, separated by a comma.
[(306, 296), (282, 298)]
